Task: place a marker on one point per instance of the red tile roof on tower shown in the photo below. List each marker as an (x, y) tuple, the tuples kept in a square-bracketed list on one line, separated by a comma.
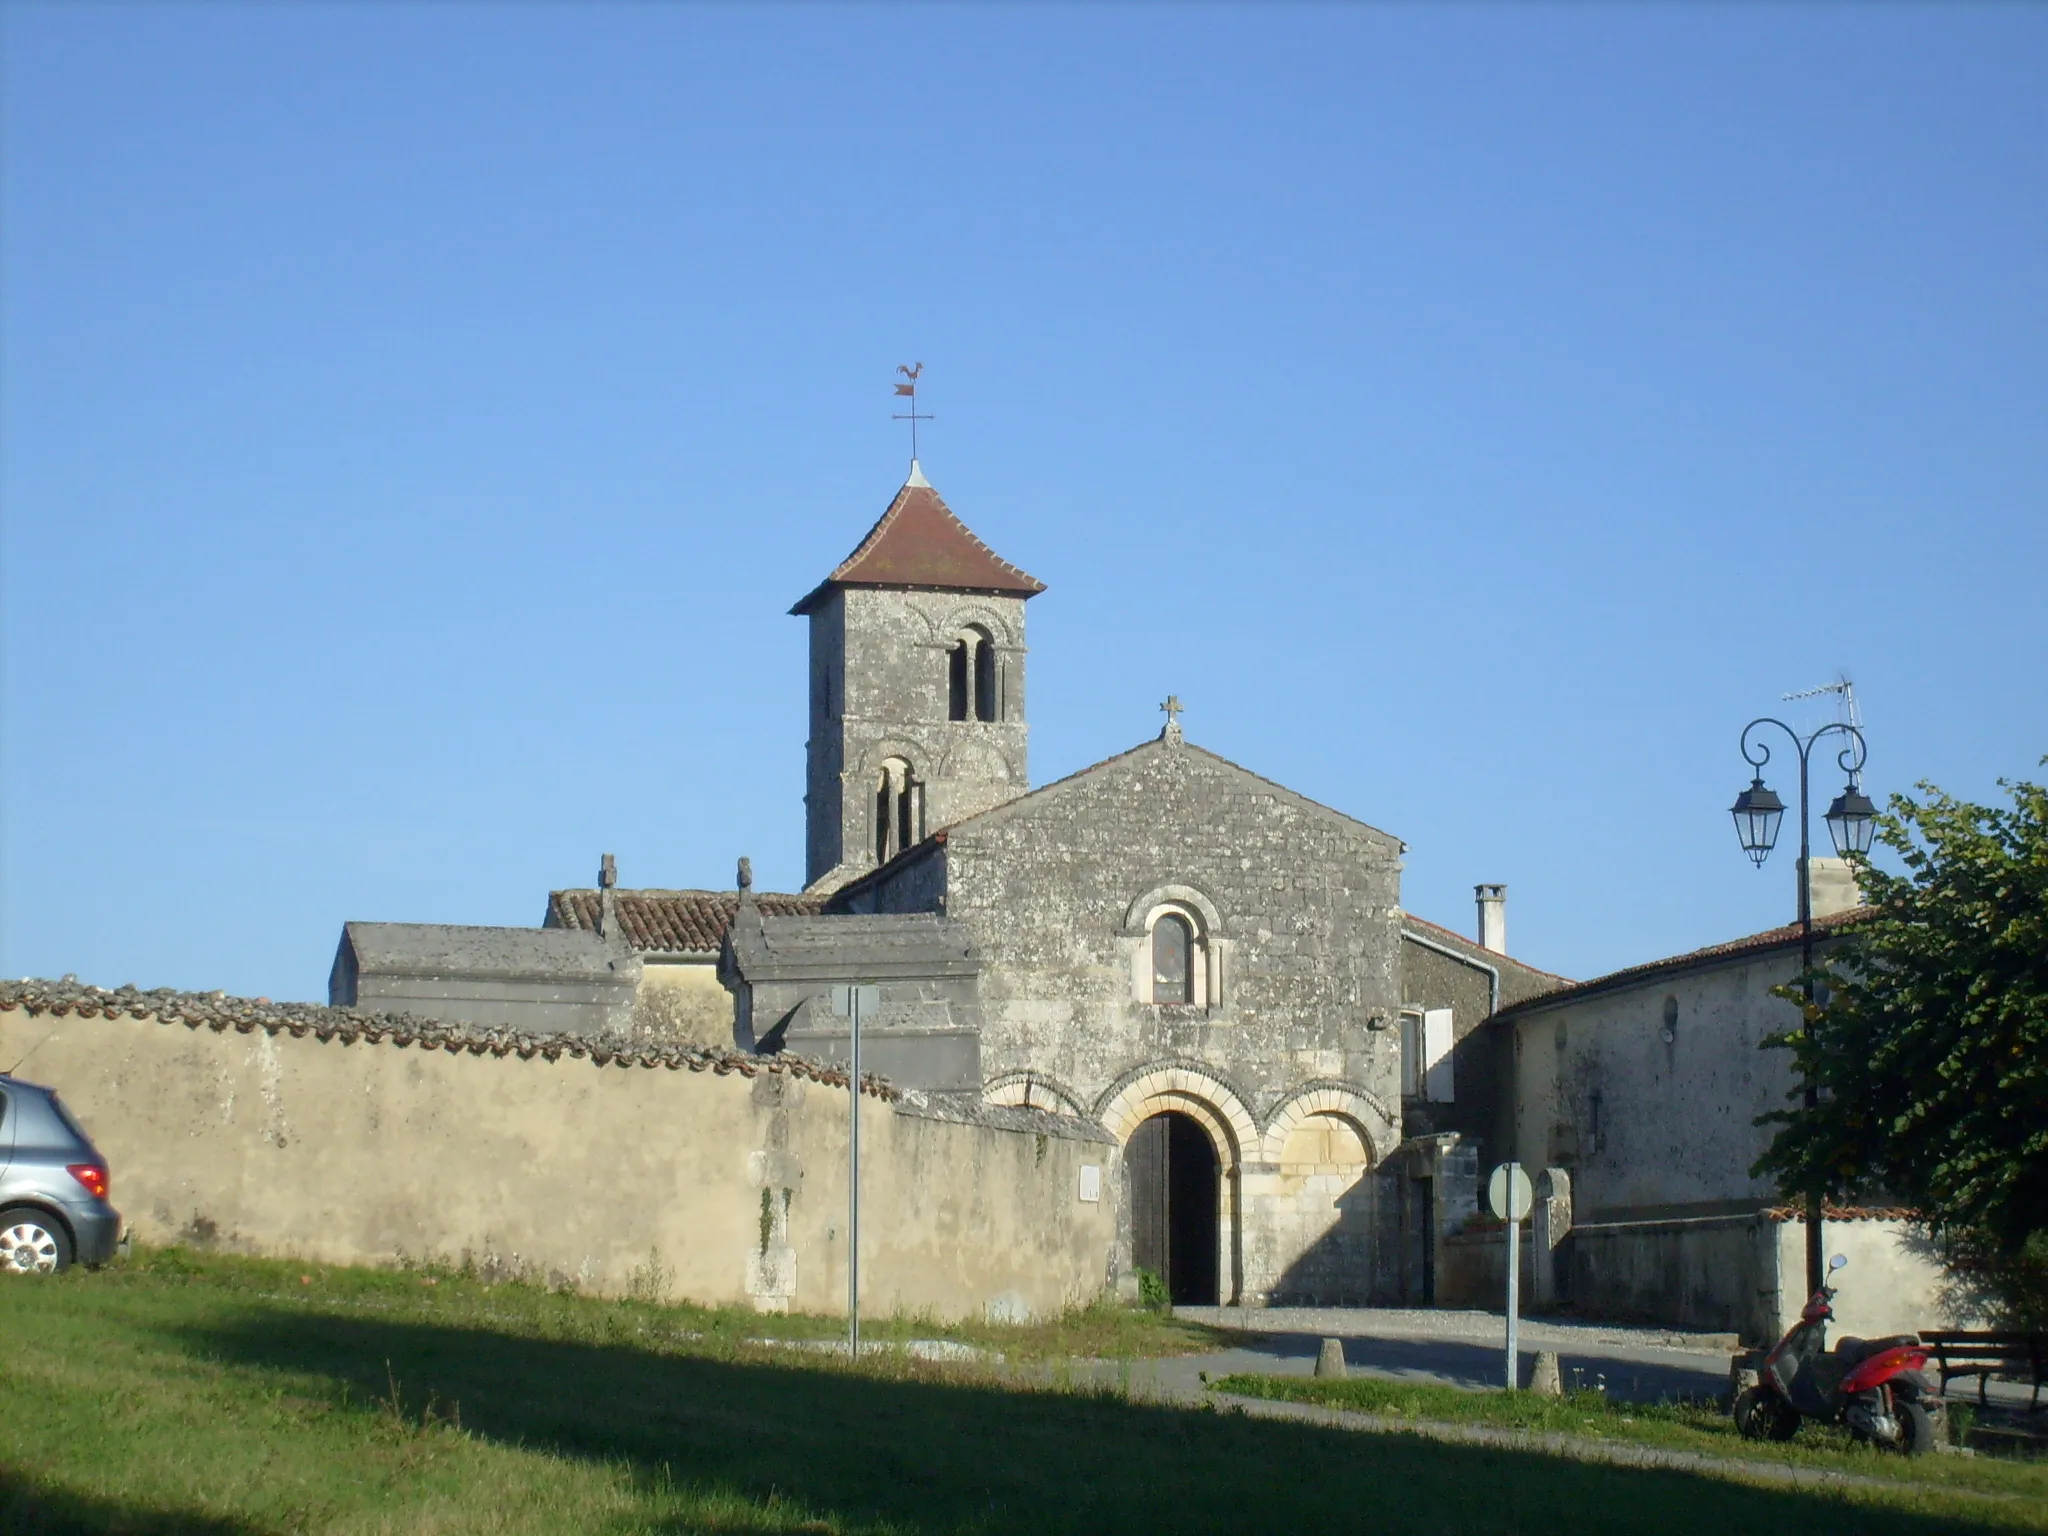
[(920, 543)]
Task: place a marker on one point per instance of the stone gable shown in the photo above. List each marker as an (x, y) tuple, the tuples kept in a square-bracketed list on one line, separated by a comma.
[(1298, 901)]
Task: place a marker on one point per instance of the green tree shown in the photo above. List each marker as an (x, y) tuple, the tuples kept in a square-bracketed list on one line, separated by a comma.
[(1930, 1042)]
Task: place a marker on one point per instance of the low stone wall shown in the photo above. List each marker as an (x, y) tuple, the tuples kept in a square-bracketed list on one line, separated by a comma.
[(1472, 1269), (1746, 1274), (1742, 1273), (1715, 1274), (350, 1138)]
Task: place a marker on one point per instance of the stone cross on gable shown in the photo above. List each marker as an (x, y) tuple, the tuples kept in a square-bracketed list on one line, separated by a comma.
[(1172, 708)]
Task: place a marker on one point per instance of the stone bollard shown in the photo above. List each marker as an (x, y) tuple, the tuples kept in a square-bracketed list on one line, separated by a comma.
[(1546, 1380), (1330, 1361)]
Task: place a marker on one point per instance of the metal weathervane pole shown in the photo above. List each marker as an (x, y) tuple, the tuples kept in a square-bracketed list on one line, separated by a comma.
[(913, 416)]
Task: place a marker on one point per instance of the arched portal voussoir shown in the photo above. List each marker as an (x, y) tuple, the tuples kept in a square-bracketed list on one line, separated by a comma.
[(1347, 1101), (1178, 1086)]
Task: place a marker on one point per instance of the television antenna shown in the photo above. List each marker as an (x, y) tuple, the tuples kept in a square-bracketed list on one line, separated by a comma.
[(1847, 711)]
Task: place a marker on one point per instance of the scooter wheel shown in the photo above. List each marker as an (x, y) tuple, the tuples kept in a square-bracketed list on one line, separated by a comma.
[(1759, 1415), (1916, 1429)]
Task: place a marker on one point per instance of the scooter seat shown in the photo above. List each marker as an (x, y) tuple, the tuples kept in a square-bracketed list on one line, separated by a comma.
[(1851, 1350)]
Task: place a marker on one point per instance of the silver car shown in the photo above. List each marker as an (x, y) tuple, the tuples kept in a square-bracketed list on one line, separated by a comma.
[(53, 1186)]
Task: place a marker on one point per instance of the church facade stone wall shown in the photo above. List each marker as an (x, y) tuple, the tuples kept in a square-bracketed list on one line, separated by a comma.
[(1285, 1055)]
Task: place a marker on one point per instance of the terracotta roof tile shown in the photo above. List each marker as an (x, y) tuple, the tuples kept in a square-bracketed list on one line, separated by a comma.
[(219, 1012), (1479, 951), (1755, 943), (919, 542), (671, 922)]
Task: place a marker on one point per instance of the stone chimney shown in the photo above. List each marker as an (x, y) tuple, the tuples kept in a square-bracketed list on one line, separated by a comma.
[(607, 898), (1493, 917), (1831, 886)]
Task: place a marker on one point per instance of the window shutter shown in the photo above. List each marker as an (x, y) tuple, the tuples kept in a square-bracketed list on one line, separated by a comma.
[(1436, 1055)]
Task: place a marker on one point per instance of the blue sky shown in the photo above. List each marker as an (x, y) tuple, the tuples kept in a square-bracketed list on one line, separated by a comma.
[(416, 421)]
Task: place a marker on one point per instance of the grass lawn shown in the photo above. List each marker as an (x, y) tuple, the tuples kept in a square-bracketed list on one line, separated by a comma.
[(185, 1394), (1670, 1426)]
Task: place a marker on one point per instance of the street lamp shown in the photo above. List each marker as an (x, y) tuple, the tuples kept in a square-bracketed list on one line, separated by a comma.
[(1851, 820)]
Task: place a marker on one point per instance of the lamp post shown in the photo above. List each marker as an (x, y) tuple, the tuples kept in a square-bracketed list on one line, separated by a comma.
[(1851, 820)]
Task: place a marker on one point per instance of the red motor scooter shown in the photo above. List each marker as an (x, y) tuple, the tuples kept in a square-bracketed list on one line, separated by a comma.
[(1878, 1389)]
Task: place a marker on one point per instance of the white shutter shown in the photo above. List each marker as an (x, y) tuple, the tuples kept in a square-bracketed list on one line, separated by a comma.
[(1436, 1055)]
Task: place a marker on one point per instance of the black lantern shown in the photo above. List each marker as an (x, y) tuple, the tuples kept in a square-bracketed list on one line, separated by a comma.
[(1757, 812), (1851, 820)]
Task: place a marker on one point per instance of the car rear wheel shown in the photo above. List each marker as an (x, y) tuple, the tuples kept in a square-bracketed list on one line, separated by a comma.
[(32, 1243)]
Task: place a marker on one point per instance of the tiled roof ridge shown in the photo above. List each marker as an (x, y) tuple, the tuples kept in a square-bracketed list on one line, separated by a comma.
[(1732, 949), (656, 921), (219, 1012), (895, 511), (1480, 949), (920, 493), (1832, 1212)]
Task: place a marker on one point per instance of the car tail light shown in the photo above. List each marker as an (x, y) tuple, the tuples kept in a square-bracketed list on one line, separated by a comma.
[(92, 1176)]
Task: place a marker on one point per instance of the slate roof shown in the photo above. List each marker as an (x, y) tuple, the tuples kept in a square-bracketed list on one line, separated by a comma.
[(219, 1012), (1714, 954), (437, 949), (671, 922), (877, 945), (919, 542)]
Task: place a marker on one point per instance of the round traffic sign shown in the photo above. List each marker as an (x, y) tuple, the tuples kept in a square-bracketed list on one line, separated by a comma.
[(1509, 1180)]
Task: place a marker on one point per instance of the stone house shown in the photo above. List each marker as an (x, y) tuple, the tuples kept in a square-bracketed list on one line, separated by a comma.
[(1634, 1098)]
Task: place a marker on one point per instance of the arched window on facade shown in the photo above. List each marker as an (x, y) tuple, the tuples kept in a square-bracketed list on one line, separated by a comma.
[(1173, 959), (972, 687), (899, 809)]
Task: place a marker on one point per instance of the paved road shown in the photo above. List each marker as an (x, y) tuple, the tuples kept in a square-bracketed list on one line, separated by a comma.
[(1463, 1349)]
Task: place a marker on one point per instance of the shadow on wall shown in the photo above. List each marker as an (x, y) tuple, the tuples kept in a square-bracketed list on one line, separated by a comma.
[(1340, 1267), (912, 1452)]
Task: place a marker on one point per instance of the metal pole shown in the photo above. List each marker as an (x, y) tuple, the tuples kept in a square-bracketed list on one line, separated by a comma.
[(1852, 758), (1816, 1268), (853, 1188), (1514, 1279)]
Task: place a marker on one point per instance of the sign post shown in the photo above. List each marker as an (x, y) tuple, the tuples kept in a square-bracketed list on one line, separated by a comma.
[(1511, 1197), (850, 1003)]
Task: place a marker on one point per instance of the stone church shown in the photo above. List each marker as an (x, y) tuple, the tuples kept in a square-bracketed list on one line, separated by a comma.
[(1213, 968)]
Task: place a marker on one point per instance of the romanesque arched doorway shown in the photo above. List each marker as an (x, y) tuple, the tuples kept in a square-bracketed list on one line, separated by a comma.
[(1176, 1205)]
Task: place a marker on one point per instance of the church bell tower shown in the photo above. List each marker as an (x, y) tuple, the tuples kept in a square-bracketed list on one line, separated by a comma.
[(917, 687)]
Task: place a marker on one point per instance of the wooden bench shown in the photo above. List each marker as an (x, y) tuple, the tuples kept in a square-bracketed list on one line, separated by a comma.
[(1985, 1354)]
